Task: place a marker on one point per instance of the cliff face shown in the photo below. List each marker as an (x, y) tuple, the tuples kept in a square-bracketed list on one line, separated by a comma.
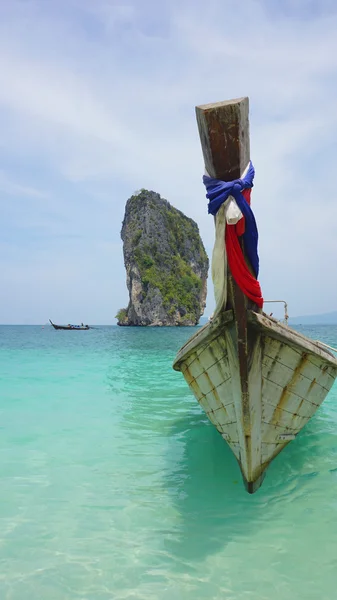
[(166, 264)]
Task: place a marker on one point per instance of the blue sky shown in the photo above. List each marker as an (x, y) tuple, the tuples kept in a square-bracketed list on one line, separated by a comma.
[(97, 100)]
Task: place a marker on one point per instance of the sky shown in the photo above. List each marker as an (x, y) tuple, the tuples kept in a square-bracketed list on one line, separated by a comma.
[(97, 100)]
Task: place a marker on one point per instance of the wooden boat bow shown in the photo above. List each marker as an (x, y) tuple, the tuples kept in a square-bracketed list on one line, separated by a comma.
[(258, 381)]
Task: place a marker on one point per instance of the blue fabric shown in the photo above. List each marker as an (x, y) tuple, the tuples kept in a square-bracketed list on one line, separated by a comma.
[(217, 193)]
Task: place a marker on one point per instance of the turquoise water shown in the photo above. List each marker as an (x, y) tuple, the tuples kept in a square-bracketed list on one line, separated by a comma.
[(113, 485)]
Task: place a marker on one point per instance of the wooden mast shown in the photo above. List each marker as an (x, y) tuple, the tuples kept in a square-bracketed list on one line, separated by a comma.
[(224, 135)]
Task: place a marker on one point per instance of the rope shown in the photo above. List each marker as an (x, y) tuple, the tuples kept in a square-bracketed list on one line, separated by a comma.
[(327, 346)]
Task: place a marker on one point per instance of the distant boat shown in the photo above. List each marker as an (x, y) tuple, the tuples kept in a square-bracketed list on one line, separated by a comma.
[(70, 327)]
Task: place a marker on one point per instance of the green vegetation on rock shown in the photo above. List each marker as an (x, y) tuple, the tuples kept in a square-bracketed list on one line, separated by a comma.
[(179, 286), (122, 315)]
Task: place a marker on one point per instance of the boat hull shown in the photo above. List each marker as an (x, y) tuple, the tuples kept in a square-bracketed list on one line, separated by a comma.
[(260, 409), (69, 327), (65, 328)]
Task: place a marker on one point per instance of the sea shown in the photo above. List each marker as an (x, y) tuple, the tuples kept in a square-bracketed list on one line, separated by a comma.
[(113, 484)]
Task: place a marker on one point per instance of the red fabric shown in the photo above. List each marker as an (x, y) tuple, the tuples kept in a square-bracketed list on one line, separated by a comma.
[(236, 260), (240, 225)]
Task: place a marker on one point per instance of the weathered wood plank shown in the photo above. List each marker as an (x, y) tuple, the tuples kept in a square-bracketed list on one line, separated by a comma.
[(224, 135), (225, 392), (221, 343), (317, 392), (281, 332), (284, 417), (292, 382), (230, 409), (269, 451), (194, 386), (302, 408), (215, 402), (196, 367), (230, 430), (235, 447), (237, 398), (189, 359), (271, 432), (272, 346), (210, 414), (204, 383), (255, 411), (284, 376), (276, 351), (210, 378), (203, 337), (207, 356), (272, 393), (219, 372)]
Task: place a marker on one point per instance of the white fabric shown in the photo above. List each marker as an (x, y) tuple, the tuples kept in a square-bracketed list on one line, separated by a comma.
[(233, 213), (219, 260)]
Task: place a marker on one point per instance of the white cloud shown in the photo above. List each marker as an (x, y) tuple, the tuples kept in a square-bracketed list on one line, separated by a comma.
[(99, 98), (12, 188)]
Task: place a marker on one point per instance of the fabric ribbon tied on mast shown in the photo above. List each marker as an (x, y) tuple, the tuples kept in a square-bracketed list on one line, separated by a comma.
[(219, 192)]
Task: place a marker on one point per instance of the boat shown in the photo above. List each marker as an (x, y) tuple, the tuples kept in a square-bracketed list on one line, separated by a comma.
[(70, 327), (258, 380)]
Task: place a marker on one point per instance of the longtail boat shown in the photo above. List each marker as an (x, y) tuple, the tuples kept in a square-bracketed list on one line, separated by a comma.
[(258, 380), (70, 327)]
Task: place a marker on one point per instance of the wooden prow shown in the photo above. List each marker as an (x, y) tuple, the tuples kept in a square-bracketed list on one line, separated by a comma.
[(224, 135)]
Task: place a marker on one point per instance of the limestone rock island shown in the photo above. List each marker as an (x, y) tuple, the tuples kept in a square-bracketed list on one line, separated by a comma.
[(166, 264)]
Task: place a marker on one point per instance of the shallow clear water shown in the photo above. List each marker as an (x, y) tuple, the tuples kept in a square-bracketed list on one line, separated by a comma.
[(114, 485)]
